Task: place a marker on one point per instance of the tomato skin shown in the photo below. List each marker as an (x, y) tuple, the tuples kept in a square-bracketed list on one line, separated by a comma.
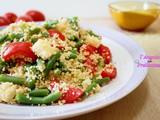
[(11, 17), (105, 53), (4, 21), (53, 31), (72, 95), (25, 18), (91, 63), (36, 15), (110, 71), (88, 48), (20, 50)]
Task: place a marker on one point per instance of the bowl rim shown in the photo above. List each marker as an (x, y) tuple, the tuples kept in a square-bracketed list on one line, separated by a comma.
[(110, 5)]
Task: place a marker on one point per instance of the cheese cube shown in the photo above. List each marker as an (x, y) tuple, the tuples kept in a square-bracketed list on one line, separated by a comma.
[(91, 40), (43, 49)]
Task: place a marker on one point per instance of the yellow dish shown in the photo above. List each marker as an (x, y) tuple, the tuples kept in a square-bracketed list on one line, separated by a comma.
[(134, 15)]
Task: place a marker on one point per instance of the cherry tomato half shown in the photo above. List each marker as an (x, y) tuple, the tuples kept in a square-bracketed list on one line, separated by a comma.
[(36, 15), (110, 71), (18, 50), (88, 48), (11, 17), (91, 64), (105, 53), (72, 95), (53, 81), (4, 21), (25, 18), (52, 32)]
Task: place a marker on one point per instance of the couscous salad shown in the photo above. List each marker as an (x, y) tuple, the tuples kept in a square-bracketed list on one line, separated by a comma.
[(55, 63)]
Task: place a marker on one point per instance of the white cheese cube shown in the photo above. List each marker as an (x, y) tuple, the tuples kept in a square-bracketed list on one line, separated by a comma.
[(44, 49), (91, 40)]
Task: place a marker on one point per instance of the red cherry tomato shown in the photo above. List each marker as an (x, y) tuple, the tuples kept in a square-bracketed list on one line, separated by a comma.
[(11, 17), (53, 81), (72, 95), (36, 15), (105, 53), (88, 48), (52, 32), (110, 71), (19, 50), (25, 18), (91, 63), (4, 21)]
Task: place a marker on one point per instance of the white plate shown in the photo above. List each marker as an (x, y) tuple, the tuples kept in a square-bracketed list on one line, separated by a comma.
[(124, 50)]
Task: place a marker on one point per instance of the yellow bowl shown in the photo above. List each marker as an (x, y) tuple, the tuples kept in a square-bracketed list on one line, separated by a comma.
[(134, 15)]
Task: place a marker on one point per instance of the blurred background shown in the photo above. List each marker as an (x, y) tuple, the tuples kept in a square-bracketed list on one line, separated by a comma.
[(61, 8)]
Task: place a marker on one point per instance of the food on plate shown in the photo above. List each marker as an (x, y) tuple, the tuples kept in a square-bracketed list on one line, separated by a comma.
[(56, 63), (31, 15)]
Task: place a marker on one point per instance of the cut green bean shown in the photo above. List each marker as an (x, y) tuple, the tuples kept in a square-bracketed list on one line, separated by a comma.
[(46, 35), (40, 63), (22, 98), (34, 31), (78, 43), (3, 38), (93, 34), (34, 40), (17, 36), (101, 81), (31, 83), (73, 56), (90, 88), (52, 97), (57, 72), (13, 79), (71, 37), (51, 63), (39, 92), (50, 24)]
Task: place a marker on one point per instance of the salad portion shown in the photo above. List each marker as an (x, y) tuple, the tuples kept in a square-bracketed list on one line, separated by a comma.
[(55, 63)]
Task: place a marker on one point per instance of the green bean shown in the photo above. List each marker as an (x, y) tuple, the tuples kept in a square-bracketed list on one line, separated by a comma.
[(61, 65), (17, 36), (39, 92), (52, 97), (13, 79), (101, 81), (93, 34), (34, 40), (46, 35), (57, 72), (31, 83), (51, 62), (3, 38), (90, 88), (73, 56), (74, 23), (23, 26), (71, 37), (22, 98), (34, 31), (50, 25), (78, 43), (40, 63)]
